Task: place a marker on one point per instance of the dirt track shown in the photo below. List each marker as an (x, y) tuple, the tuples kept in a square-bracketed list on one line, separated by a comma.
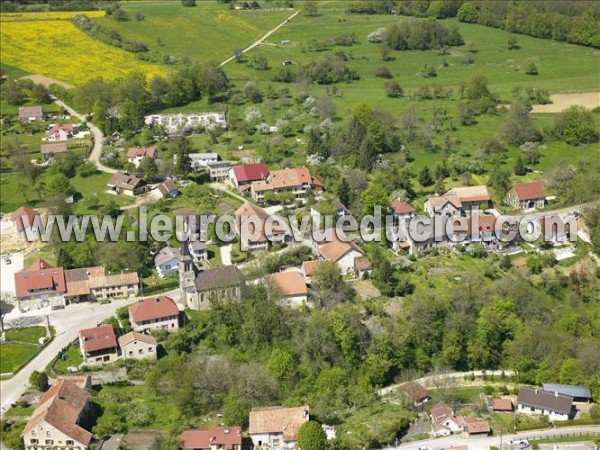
[(561, 102), (47, 81)]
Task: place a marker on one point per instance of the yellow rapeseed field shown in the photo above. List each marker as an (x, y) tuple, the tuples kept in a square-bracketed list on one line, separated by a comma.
[(47, 15), (57, 48)]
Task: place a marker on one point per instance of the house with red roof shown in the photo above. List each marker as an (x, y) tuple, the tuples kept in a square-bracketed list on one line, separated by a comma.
[(215, 438), (30, 113), (41, 284), (257, 229), (297, 181), (526, 196), (277, 426), (25, 220), (290, 287), (136, 345), (401, 211), (243, 176), (59, 417), (60, 132), (135, 155), (98, 345), (154, 313)]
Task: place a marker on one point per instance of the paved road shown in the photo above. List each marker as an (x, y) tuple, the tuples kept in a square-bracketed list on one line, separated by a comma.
[(67, 323), (484, 443), (98, 138), (428, 380), (262, 39)]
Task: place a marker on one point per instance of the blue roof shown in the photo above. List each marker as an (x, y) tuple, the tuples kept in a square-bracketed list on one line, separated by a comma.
[(568, 389)]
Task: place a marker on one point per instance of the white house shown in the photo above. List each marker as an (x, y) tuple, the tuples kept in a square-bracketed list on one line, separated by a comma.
[(201, 160), (154, 313), (136, 345), (166, 261), (340, 252), (198, 250), (135, 155), (443, 206), (533, 401), (401, 211), (178, 123), (276, 427), (219, 170), (444, 421)]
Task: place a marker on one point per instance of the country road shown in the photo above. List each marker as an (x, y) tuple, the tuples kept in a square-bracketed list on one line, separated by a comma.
[(67, 323), (500, 442), (98, 138), (262, 39)]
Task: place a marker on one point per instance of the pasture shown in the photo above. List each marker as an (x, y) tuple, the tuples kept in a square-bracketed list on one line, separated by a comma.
[(208, 32), (55, 47)]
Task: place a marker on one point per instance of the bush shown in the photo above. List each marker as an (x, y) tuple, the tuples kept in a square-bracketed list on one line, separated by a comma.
[(531, 69), (39, 380), (393, 89), (383, 72)]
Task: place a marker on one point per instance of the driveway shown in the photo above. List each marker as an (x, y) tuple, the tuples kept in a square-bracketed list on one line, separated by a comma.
[(7, 271), (67, 323), (98, 138)]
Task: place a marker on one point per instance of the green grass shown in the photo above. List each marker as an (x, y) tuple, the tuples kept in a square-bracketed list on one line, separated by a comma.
[(20, 411), (583, 438), (12, 71), (208, 32), (14, 355), (72, 359), (31, 335)]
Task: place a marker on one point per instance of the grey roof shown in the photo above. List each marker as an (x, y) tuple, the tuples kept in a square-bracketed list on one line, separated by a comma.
[(568, 389), (219, 278), (195, 156), (197, 245), (545, 400), (166, 254)]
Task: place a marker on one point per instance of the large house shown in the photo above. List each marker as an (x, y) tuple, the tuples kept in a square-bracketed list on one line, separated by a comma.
[(199, 287), (42, 284), (297, 181), (201, 160), (401, 211), (290, 287), (49, 150), (60, 132), (256, 230), (136, 345), (215, 438), (30, 113), (340, 252), (276, 427), (154, 313), (166, 261), (98, 345), (458, 201), (24, 220), (135, 155), (179, 123), (526, 196), (123, 183), (538, 402), (56, 423), (243, 176)]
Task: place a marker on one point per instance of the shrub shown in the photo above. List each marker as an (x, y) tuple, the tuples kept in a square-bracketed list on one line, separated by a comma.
[(383, 72), (393, 89), (531, 69)]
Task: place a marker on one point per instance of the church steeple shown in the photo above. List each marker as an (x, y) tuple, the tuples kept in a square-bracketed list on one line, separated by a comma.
[(187, 271)]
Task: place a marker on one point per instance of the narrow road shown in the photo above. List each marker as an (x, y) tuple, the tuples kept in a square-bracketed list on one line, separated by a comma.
[(67, 323), (262, 39), (98, 138), (501, 442)]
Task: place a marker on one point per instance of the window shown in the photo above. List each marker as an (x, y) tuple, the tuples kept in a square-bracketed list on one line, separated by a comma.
[(49, 442), (141, 351), (149, 349), (33, 441), (167, 266), (48, 433), (70, 442)]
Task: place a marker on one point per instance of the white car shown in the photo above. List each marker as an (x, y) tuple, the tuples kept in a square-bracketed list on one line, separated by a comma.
[(520, 443)]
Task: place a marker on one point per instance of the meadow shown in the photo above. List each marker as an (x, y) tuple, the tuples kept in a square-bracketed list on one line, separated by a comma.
[(208, 32), (55, 47)]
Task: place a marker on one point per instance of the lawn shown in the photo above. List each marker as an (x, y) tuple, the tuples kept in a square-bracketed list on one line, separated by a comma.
[(72, 358), (14, 355), (31, 335), (208, 32), (28, 42)]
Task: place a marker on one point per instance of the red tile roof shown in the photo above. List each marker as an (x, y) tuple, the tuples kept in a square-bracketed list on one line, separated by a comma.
[(25, 112), (132, 336), (250, 172), (416, 392), (203, 439), (98, 338), (153, 308), (502, 404), (289, 283), (61, 406), (278, 419), (529, 191), (68, 127), (309, 267), (476, 425), (18, 216), (133, 152), (401, 207), (40, 276)]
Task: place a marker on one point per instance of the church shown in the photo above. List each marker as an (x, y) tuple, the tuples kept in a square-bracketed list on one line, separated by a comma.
[(198, 287)]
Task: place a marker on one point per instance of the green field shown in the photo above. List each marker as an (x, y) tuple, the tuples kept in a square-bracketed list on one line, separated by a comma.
[(72, 358), (31, 335), (14, 355), (208, 32)]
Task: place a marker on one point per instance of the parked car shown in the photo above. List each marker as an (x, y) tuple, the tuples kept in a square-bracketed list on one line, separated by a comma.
[(520, 443)]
